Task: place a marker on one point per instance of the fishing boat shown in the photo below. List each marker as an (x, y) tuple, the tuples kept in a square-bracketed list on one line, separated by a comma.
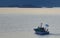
[(41, 30)]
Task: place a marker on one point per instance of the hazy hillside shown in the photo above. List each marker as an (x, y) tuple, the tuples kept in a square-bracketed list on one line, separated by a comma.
[(29, 3)]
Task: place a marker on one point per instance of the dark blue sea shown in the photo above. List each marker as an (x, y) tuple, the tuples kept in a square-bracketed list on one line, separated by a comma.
[(30, 3)]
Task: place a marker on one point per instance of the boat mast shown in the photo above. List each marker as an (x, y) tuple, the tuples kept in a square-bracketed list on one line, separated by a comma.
[(41, 25)]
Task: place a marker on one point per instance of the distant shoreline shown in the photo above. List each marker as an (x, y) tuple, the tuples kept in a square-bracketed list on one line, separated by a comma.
[(52, 11)]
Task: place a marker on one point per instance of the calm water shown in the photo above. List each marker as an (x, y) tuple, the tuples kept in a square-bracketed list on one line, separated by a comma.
[(21, 26)]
